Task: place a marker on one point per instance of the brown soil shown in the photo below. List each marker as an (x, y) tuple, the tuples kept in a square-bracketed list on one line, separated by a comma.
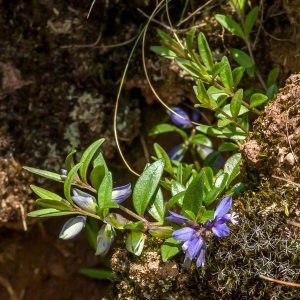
[(58, 84)]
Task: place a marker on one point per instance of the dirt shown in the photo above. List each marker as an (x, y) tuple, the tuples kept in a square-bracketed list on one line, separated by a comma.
[(59, 76)]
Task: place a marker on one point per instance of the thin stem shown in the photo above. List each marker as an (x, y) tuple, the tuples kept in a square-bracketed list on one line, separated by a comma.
[(131, 213), (280, 281)]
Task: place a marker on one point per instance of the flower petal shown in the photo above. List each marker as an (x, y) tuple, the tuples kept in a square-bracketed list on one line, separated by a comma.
[(223, 207), (177, 153), (176, 218), (182, 121), (183, 234), (72, 227), (220, 229), (195, 246), (121, 193), (201, 257)]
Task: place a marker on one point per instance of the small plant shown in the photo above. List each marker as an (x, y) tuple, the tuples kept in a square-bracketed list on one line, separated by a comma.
[(200, 191)]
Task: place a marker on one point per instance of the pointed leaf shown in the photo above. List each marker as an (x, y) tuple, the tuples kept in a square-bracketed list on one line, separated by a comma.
[(69, 181), (226, 75), (236, 103), (205, 52), (87, 157), (161, 153), (43, 173), (59, 205), (98, 274), (146, 186), (165, 128), (50, 212), (69, 161), (189, 46), (231, 25), (272, 76), (163, 51), (232, 167), (45, 194), (156, 207), (250, 20), (97, 175), (194, 195), (237, 75)]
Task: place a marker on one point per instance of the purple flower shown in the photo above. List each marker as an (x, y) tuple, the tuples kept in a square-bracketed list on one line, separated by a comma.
[(121, 193), (183, 120), (194, 235), (176, 218), (218, 225), (193, 246), (178, 152)]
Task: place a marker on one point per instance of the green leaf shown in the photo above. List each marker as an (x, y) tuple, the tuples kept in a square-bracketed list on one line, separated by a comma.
[(97, 175), (272, 91), (237, 75), (135, 242), (272, 76), (194, 195), (146, 186), (203, 97), (69, 181), (50, 212), (228, 146), (170, 248), (226, 75), (87, 157), (161, 153), (236, 103), (163, 51), (201, 139), (232, 167), (43, 173), (97, 274), (217, 68), (191, 67), (189, 46), (69, 161), (156, 206), (91, 230), (205, 52), (57, 204), (105, 194), (43, 193), (243, 59), (166, 128), (176, 199), (257, 99), (231, 25), (250, 20)]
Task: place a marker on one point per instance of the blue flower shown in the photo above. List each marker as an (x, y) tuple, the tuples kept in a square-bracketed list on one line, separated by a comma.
[(72, 227), (84, 200), (176, 218), (183, 120)]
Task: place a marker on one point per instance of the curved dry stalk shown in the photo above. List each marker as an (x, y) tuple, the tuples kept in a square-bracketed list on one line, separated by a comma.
[(279, 281), (157, 8)]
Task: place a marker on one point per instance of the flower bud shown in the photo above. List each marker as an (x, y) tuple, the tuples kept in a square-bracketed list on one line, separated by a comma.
[(72, 227), (121, 193), (161, 231), (84, 200), (105, 238)]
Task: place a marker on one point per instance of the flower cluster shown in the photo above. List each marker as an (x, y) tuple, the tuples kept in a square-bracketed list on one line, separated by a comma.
[(194, 235)]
